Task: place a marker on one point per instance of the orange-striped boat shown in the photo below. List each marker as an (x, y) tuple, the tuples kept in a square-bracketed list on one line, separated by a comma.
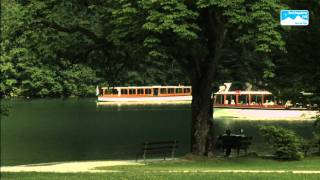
[(145, 94)]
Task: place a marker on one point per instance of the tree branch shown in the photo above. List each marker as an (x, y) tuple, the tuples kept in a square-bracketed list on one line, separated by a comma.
[(76, 29), (75, 54)]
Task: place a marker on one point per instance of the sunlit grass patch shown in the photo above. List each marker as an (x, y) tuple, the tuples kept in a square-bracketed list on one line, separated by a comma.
[(157, 176), (203, 164)]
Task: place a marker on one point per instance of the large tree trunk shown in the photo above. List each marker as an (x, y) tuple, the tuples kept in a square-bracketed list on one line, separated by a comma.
[(202, 74), (202, 118)]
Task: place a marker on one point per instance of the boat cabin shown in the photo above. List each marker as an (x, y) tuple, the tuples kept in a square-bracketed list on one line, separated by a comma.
[(143, 91), (245, 99)]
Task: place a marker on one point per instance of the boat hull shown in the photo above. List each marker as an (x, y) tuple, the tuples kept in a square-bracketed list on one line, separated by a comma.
[(264, 114), (146, 99)]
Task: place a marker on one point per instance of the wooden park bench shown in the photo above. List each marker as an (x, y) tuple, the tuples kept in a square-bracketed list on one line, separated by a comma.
[(162, 148), (237, 142)]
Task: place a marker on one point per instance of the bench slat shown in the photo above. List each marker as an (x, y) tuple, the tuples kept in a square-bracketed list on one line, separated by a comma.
[(161, 147), (160, 142)]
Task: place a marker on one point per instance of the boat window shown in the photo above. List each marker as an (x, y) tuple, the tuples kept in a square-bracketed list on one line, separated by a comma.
[(256, 99), (184, 90), (268, 98), (243, 99), (219, 99), (148, 91), (132, 91), (140, 91), (114, 91), (178, 90), (170, 91), (124, 91), (230, 99), (108, 91), (163, 91)]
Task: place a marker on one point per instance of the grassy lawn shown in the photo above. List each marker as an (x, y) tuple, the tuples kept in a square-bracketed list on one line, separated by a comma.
[(242, 163), (159, 170), (157, 176)]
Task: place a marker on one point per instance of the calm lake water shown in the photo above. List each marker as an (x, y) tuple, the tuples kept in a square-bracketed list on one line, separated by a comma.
[(51, 130)]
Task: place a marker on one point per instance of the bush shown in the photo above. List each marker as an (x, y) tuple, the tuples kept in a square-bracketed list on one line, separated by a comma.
[(316, 132), (4, 110), (317, 125), (285, 143)]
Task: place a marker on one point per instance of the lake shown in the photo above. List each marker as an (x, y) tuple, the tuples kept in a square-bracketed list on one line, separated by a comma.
[(51, 130)]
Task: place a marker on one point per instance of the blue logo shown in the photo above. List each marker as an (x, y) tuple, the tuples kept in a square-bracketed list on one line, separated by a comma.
[(294, 17)]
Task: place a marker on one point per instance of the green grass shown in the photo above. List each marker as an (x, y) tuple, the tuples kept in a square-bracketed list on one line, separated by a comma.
[(157, 176), (159, 170), (243, 163)]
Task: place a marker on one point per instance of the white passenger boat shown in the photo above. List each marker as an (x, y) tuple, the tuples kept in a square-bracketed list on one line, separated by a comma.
[(145, 94), (247, 99), (256, 105)]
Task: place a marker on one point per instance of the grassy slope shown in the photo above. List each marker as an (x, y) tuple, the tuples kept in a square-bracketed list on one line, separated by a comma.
[(151, 170), (222, 163), (157, 176)]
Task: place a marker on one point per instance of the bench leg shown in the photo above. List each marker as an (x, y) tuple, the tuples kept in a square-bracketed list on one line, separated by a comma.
[(144, 155), (173, 149), (172, 155), (228, 152)]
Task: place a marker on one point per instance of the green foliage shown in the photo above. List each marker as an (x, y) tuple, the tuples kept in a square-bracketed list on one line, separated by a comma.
[(172, 16), (40, 61), (285, 143), (30, 65), (79, 80), (251, 28), (317, 125), (300, 65), (316, 132), (255, 20), (4, 110), (151, 42)]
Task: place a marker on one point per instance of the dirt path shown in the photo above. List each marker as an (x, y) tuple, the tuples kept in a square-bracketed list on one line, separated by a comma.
[(68, 167)]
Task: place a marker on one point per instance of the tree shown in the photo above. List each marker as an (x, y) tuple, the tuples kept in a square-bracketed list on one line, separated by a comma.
[(33, 60), (197, 35)]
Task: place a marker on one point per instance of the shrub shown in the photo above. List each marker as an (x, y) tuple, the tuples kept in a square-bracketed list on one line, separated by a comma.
[(285, 143), (4, 110), (316, 132)]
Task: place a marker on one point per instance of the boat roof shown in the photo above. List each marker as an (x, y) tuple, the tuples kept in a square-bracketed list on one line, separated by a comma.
[(244, 93), (144, 87)]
